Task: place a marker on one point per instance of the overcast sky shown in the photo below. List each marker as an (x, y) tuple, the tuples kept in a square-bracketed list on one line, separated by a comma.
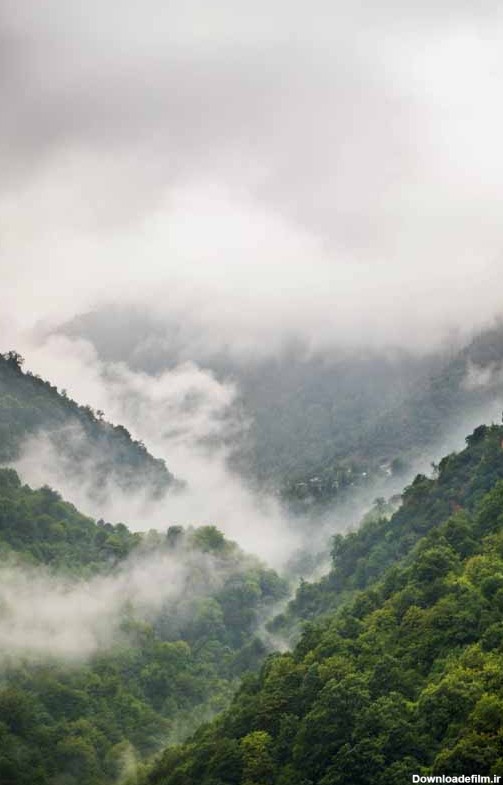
[(254, 169)]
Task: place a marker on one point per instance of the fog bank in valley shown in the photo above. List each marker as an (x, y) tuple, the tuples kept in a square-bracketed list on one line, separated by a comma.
[(250, 176), (184, 416)]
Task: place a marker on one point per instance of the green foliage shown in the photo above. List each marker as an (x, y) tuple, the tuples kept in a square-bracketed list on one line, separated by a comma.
[(210, 540), (360, 557), (404, 675), (41, 528), (398, 669), (84, 724)]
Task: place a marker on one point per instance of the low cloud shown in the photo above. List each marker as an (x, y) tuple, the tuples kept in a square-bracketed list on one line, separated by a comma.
[(184, 416), (483, 377), (251, 174), (43, 615), (254, 172)]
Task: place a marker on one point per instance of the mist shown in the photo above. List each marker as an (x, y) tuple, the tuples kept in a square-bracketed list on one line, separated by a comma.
[(254, 173), (250, 178), (256, 249), (45, 616), (184, 416)]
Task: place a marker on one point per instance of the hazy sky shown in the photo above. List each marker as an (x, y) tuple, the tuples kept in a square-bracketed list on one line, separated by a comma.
[(254, 169)]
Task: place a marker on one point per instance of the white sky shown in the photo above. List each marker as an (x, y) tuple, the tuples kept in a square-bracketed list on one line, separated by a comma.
[(331, 169)]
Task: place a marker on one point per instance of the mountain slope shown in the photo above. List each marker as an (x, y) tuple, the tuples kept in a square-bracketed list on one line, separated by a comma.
[(305, 407), (465, 384), (319, 414), (40, 527), (31, 407), (360, 557), (402, 678), (454, 389), (112, 643)]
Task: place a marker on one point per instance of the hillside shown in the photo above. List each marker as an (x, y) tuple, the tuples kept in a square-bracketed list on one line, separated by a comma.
[(113, 643), (325, 421), (40, 527), (466, 382), (452, 390), (400, 675), (306, 408), (460, 481), (31, 407)]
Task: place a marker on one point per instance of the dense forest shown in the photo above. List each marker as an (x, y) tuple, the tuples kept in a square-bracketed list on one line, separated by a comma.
[(251, 393), (403, 675), (87, 717), (393, 657), (85, 720)]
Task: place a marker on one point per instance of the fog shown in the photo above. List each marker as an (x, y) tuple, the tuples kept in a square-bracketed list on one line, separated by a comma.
[(489, 376), (184, 416), (252, 174), (43, 616)]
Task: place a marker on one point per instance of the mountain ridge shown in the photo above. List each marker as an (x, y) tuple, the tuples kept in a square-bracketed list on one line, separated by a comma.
[(31, 407)]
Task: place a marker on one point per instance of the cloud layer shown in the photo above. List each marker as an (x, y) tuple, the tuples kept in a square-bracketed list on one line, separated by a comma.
[(184, 416), (43, 615), (255, 171)]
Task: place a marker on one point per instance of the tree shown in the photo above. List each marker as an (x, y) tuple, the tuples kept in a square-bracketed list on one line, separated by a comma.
[(258, 767), (14, 359)]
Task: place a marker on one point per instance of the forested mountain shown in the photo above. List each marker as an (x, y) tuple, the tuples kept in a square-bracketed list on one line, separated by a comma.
[(172, 618), (114, 644), (167, 622), (460, 481), (305, 408), (322, 421), (464, 385), (399, 673), (32, 407), (251, 392), (39, 526)]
